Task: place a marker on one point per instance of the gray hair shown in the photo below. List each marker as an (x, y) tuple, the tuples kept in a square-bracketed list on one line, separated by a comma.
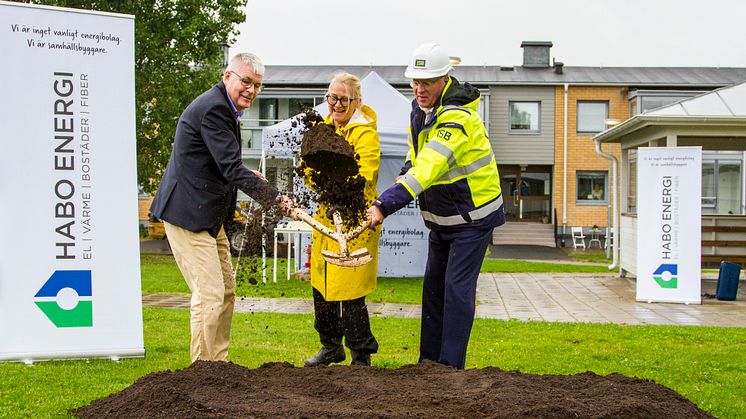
[(247, 58)]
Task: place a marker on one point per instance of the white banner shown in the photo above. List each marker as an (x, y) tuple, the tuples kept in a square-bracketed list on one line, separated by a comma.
[(669, 210), (70, 272), (402, 249)]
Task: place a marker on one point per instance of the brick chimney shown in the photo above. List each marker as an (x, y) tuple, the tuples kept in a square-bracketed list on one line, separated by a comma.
[(536, 54)]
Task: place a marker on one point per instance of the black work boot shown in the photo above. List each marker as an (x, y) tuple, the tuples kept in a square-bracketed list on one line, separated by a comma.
[(360, 358), (326, 355)]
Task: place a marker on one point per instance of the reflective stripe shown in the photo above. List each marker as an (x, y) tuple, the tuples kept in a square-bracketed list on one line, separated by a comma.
[(468, 169), (475, 215), (453, 108), (443, 150), (412, 183), (486, 210), (443, 221), (452, 125), (409, 155)]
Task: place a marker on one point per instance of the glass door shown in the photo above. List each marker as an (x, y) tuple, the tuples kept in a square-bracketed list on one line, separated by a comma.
[(527, 192)]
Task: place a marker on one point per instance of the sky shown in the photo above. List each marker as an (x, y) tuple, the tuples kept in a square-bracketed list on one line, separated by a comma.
[(609, 33)]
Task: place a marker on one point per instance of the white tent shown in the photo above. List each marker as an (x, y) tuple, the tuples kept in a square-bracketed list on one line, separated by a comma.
[(403, 244)]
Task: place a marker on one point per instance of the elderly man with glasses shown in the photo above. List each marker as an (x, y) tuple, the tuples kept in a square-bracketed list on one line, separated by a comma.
[(197, 195), (451, 168)]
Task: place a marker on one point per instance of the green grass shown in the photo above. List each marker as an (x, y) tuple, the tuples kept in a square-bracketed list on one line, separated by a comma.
[(590, 257), (160, 274), (706, 365), (510, 265)]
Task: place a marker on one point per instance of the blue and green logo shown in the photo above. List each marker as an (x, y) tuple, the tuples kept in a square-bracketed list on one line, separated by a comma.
[(667, 275), (66, 299)]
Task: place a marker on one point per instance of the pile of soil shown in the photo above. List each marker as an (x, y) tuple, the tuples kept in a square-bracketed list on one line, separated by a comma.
[(427, 390)]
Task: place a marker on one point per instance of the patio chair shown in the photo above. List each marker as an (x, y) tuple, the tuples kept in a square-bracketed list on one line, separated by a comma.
[(578, 238)]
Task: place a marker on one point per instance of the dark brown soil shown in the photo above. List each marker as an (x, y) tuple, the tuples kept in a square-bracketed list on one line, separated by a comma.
[(426, 390), (325, 151), (335, 173)]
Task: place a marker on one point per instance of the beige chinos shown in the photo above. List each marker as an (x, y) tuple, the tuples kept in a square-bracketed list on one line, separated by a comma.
[(205, 263)]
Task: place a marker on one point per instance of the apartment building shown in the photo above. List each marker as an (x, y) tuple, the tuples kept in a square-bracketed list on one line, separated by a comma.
[(541, 117)]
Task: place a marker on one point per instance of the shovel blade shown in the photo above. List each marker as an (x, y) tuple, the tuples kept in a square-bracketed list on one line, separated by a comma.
[(359, 257)]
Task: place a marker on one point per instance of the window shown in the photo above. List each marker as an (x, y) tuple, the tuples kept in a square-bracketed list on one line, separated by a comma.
[(524, 117), (631, 183), (721, 185), (591, 116), (296, 106), (641, 101), (592, 187), (267, 112)]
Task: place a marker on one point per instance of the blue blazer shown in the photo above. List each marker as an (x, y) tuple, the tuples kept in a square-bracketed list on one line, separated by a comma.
[(198, 189)]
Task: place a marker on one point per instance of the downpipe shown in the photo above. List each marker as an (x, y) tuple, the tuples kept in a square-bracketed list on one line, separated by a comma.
[(615, 213)]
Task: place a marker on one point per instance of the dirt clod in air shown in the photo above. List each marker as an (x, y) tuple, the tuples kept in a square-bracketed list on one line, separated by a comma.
[(425, 390), (334, 172)]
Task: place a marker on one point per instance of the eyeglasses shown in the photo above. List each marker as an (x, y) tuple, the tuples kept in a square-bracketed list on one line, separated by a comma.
[(247, 82), (345, 101), (424, 82)]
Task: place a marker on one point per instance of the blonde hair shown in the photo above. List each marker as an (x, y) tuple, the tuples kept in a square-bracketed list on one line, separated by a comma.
[(351, 82)]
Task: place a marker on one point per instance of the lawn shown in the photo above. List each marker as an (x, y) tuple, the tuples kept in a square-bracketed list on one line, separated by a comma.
[(706, 365), (160, 274)]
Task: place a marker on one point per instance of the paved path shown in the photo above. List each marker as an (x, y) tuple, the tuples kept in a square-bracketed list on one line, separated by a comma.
[(592, 298)]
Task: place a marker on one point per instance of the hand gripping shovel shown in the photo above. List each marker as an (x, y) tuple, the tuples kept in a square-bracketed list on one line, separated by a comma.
[(357, 258)]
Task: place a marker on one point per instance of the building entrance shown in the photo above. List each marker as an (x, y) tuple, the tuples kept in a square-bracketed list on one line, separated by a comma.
[(527, 192)]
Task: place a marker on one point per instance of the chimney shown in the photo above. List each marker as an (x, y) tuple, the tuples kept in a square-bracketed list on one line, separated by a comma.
[(558, 66), (536, 54)]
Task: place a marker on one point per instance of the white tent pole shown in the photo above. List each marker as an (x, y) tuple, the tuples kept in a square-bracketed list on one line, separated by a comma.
[(264, 236)]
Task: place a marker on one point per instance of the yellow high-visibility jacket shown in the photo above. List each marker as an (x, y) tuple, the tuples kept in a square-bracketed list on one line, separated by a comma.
[(450, 166)]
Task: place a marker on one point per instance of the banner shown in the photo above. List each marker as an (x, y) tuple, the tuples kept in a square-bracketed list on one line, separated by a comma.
[(669, 210), (70, 272), (402, 248)]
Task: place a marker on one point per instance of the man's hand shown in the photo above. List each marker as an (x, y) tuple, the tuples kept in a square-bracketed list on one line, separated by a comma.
[(287, 206), (375, 215), (259, 175)]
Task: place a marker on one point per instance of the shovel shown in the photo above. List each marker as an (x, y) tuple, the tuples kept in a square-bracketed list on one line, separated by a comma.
[(345, 258)]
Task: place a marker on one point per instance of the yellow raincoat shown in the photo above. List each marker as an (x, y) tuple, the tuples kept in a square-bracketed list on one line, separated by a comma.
[(338, 283)]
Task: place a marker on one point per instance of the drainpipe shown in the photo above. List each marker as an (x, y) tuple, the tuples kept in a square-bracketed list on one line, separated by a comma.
[(564, 167), (615, 213)]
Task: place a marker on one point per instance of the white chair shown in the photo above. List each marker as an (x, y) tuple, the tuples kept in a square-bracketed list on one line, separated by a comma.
[(608, 238), (578, 238)]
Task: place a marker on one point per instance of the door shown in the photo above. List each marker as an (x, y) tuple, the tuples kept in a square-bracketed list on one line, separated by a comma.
[(527, 192)]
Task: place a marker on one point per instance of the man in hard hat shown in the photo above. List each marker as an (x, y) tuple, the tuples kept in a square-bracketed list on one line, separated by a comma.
[(451, 167)]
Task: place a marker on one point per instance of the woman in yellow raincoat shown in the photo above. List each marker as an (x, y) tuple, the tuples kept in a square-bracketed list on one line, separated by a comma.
[(339, 292)]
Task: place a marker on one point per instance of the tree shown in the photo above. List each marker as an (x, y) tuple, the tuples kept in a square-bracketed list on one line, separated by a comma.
[(178, 55)]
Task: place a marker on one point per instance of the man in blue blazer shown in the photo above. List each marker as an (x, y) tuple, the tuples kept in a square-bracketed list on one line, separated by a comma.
[(198, 194)]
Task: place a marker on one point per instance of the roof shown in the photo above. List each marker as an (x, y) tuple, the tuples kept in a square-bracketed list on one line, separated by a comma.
[(710, 77)]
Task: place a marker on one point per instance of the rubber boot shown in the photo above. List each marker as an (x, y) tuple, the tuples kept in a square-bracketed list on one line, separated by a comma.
[(360, 358), (327, 355)]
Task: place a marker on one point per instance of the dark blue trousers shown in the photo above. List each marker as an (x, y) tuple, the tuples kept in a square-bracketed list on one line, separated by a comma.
[(449, 294)]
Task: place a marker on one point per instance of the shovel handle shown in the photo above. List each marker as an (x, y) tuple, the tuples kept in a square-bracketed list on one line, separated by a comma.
[(303, 216), (358, 230)]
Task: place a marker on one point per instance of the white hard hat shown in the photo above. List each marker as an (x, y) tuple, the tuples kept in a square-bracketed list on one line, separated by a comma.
[(428, 61)]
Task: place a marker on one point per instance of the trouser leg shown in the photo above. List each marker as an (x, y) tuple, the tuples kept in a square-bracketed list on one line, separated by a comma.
[(467, 252), (327, 320), (225, 316), (198, 259), (431, 327), (356, 325)]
